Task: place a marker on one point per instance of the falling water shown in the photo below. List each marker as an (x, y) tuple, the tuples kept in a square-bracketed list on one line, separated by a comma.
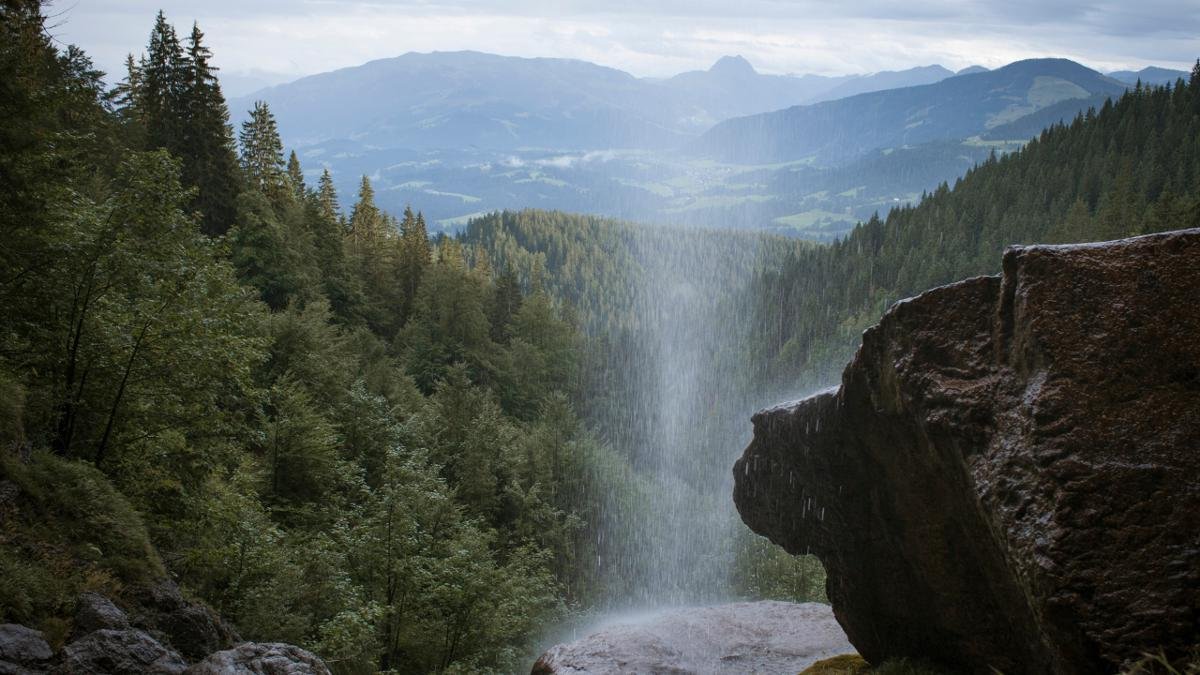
[(685, 421)]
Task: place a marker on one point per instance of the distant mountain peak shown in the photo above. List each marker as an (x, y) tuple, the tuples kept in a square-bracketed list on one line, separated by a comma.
[(972, 69), (733, 65)]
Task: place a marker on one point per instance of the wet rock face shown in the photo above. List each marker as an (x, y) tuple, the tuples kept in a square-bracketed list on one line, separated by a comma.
[(1009, 474), (744, 637), (259, 658)]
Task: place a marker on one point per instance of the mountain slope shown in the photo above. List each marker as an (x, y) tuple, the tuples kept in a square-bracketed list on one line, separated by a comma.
[(474, 100), (888, 79), (733, 88), (463, 99), (958, 107), (1149, 75)]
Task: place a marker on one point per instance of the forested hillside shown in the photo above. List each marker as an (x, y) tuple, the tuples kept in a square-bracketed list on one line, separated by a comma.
[(333, 430), (835, 132), (339, 432), (1131, 167)]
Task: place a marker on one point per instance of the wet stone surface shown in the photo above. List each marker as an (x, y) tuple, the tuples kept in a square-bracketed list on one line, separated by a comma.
[(746, 637)]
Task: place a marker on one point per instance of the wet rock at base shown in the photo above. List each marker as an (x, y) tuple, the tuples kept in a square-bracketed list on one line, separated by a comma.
[(120, 652), (745, 637), (261, 658), (1009, 474)]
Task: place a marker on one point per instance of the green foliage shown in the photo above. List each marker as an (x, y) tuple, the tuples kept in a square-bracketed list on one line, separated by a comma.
[(65, 529), (1130, 168), (245, 402)]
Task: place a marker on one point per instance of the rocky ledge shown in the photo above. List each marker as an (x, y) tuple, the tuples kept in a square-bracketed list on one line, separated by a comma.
[(743, 637), (1009, 474), (163, 641)]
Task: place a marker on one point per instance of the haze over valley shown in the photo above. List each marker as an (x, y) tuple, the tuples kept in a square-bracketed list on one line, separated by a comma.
[(465, 133)]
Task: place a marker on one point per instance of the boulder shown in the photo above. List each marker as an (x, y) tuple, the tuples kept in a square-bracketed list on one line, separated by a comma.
[(119, 652), (94, 612), (1009, 474), (190, 627), (22, 650), (743, 637), (261, 658)]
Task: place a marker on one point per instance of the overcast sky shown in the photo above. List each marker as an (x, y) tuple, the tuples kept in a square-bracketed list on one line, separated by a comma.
[(283, 39)]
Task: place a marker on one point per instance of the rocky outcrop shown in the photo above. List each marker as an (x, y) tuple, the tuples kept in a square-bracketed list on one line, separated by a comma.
[(1009, 474), (744, 637), (95, 612), (159, 639), (22, 650), (115, 652), (257, 658), (192, 628)]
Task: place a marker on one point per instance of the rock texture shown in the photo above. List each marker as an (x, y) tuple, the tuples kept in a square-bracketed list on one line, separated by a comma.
[(159, 639), (1009, 474), (22, 650), (746, 637), (117, 652), (95, 612), (192, 628), (257, 658)]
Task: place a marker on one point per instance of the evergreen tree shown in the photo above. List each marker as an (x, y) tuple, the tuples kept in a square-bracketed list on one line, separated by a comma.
[(414, 258), (366, 221), (262, 155), (328, 200), (161, 101), (296, 177), (209, 160)]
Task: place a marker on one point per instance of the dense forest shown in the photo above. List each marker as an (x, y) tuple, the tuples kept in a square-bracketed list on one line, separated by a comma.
[(396, 450), (333, 430)]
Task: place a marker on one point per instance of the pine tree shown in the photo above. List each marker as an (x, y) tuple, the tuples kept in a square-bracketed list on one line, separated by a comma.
[(209, 161), (296, 177), (160, 103), (366, 221), (414, 258), (126, 92), (327, 199), (262, 154)]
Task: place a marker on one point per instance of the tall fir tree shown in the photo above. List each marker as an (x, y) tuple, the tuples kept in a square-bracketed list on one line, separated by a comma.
[(161, 100), (296, 177), (209, 160), (414, 258), (262, 154), (327, 199), (366, 220)]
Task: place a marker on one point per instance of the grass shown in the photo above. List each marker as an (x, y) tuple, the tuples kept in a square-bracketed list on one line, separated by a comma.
[(63, 530)]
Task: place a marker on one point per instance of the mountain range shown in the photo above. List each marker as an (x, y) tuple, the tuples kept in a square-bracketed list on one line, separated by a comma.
[(471, 99), (458, 134), (962, 106)]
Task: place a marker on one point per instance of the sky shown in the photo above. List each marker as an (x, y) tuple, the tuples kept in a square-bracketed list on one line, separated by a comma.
[(259, 42)]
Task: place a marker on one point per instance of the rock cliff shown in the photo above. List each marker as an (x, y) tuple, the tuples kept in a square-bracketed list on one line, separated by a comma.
[(1009, 474)]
